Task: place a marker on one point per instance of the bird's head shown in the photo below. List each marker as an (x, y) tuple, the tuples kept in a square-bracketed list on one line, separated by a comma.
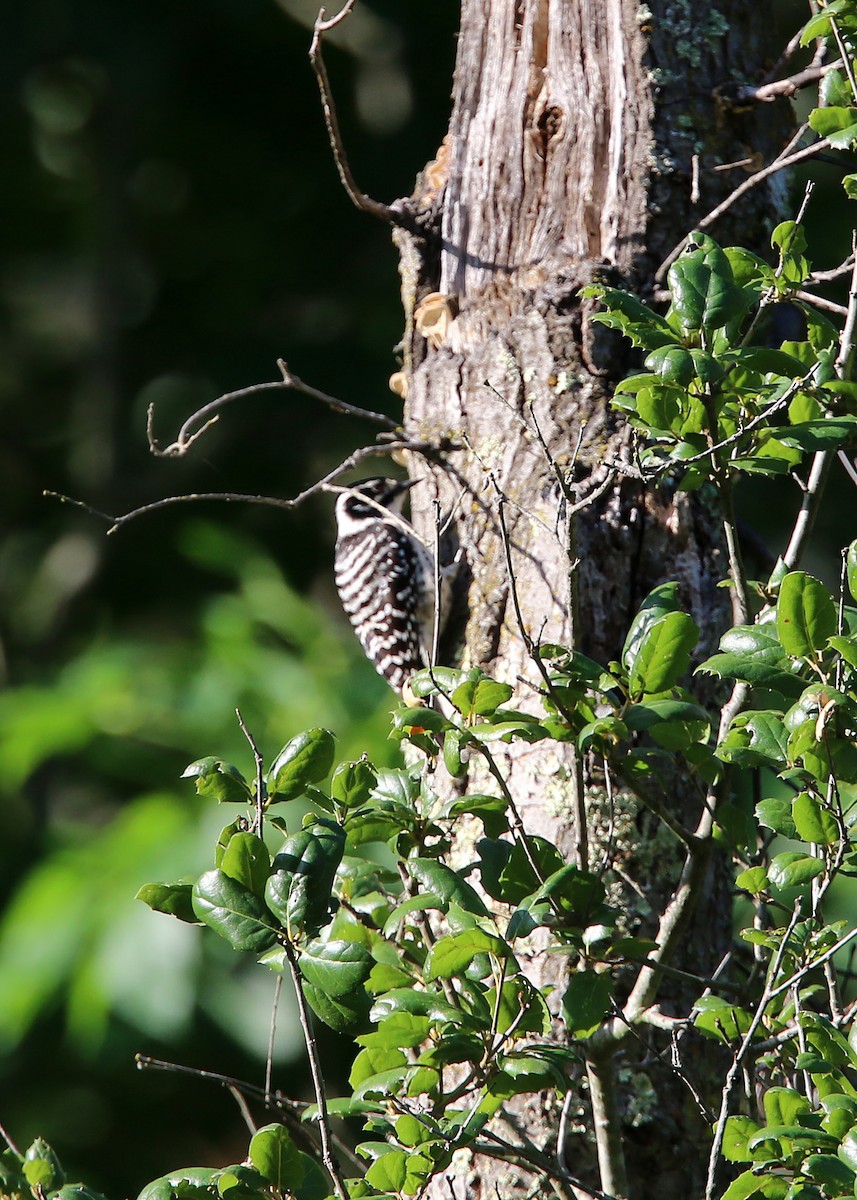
[(364, 498)]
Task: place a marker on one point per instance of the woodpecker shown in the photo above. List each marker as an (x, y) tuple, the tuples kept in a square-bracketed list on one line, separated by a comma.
[(385, 578)]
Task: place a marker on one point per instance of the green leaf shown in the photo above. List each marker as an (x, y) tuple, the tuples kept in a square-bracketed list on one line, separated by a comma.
[(806, 615), (837, 123), (218, 779), (630, 316), (306, 759), (353, 782), (746, 1187), (171, 898), (792, 869), (419, 1004), (389, 1172), (420, 717), (830, 1172), (754, 880), (736, 1135), (452, 759), (813, 822), (827, 434), (673, 724), (776, 813), (187, 1182), (436, 878), (819, 24), (673, 364), (783, 1106), (233, 911), (247, 861), (704, 295), (274, 1155), (753, 654), (375, 1060), (299, 888), (481, 697), (586, 1001), (664, 654), (343, 1014), (451, 955), (660, 601), (506, 871), (719, 1019), (848, 1149), (335, 967)]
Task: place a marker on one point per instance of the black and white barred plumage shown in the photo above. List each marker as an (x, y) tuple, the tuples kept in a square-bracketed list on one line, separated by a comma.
[(385, 578)]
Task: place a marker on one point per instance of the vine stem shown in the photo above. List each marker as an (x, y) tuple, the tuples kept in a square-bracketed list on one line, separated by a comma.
[(317, 1081)]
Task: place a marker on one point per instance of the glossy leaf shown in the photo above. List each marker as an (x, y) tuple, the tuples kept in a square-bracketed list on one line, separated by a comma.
[(704, 295), (452, 954), (806, 615), (218, 779), (813, 822), (663, 655), (792, 869), (335, 967), (306, 759), (586, 1001), (171, 898), (299, 888), (233, 911), (247, 861), (352, 783), (276, 1157)]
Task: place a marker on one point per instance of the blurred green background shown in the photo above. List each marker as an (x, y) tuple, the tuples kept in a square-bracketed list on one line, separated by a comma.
[(171, 224)]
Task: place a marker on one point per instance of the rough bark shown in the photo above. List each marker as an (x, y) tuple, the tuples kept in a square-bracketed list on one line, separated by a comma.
[(568, 157)]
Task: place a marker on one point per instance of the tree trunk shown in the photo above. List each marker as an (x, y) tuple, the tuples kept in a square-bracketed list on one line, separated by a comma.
[(570, 155)]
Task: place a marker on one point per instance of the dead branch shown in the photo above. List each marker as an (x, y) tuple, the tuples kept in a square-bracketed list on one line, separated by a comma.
[(391, 214), (201, 420), (354, 459)]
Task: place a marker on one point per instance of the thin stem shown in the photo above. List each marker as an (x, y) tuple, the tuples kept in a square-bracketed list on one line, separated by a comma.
[(780, 163), (823, 458), (315, 1069), (321, 485), (392, 215), (261, 791), (269, 1059), (7, 1139), (740, 1054)]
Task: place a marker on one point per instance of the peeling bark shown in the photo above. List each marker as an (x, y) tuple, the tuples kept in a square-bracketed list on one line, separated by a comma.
[(569, 156)]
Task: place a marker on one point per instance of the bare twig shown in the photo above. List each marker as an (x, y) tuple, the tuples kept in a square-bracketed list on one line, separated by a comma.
[(269, 1059), (261, 795), (787, 87), (321, 485), (392, 215), (315, 1069), (201, 420), (7, 1139), (820, 302), (821, 462), (242, 1107), (740, 1054), (780, 163)]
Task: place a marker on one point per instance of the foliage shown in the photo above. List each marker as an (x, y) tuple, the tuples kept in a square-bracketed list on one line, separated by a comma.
[(385, 943)]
